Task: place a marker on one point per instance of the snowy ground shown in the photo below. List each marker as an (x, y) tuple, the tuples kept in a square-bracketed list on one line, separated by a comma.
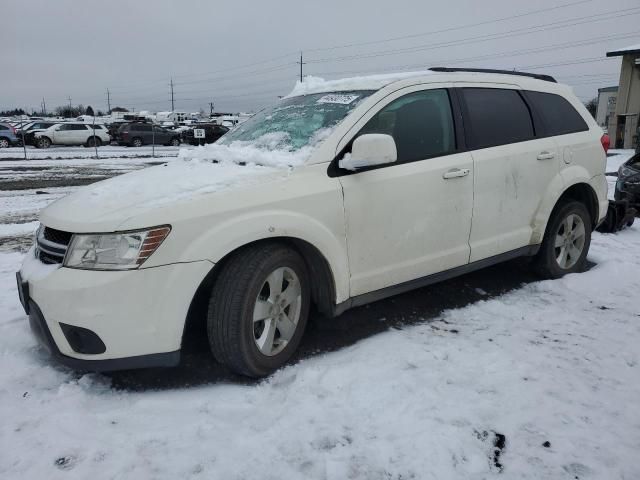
[(105, 151), (492, 375)]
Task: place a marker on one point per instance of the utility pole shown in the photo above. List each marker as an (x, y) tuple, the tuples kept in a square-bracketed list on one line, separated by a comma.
[(108, 102), (69, 103), (172, 103), (301, 64), (211, 109), (44, 107)]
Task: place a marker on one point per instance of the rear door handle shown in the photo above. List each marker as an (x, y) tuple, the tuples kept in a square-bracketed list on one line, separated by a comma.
[(546, 155), (455, 173)]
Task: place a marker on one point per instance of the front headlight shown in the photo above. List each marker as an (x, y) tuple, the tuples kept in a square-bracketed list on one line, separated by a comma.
[(114, 251)]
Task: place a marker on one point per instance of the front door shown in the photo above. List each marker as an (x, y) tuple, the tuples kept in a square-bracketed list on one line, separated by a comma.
[(412, 218)]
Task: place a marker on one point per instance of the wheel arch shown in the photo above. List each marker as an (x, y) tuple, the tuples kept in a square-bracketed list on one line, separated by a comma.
[(579, 190), (323, 287)]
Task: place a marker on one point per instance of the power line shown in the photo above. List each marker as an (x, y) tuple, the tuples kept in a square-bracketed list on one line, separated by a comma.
[(449, 29), (459, 27), (487, 37)]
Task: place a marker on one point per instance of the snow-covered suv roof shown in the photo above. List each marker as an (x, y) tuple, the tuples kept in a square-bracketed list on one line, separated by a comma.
[(312, 84)]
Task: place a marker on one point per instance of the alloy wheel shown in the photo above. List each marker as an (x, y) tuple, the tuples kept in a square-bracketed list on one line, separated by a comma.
[(277, 311), (569, 241), (4, 143)]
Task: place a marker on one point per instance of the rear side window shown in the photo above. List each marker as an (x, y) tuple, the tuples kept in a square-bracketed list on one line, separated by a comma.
[(558, 115), (496, 117), (141, 128), (2, 127), (73, 126), (420, 123)]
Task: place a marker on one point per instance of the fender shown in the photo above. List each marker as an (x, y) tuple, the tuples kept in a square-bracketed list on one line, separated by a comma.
[(566, 178), (225, 237)]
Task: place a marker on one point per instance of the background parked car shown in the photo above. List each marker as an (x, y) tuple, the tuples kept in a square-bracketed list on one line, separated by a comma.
[(212, 133), (8, 136), (138, 134), (72, 134), (113, 129), (30, 130)]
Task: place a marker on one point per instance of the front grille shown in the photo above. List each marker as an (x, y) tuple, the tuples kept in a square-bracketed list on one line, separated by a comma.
[(57, 236), (52, 245)]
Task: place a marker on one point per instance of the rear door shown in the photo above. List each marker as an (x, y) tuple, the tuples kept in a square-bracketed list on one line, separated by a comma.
[(412, 218), (513, 167), (162, 136)]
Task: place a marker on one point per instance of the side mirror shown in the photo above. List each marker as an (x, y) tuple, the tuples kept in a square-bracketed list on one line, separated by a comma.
[(370, 150)]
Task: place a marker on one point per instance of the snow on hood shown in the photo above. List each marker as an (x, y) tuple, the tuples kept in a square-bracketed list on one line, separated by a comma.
[(311, 84), (267, 151), (108, 204)]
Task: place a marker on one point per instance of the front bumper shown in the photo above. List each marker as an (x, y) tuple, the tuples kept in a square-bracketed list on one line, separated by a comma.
[(99, 321)]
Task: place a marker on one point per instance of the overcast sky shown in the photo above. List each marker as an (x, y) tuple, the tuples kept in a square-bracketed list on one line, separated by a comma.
[(241, 55)]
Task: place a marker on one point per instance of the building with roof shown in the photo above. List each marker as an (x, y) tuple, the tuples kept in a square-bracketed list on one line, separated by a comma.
[(606, 107), (623, 126)]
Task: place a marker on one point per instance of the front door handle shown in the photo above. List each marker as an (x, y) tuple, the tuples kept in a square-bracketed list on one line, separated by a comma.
[(455, 173), (546, 155)]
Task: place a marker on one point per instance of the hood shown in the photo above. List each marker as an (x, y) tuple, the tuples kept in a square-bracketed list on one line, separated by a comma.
[(106, 205)]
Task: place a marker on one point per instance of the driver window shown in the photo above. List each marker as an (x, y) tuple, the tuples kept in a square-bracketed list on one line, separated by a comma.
[(421, 124)]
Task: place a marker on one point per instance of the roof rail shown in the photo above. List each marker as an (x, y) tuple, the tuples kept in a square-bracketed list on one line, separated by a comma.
[(539, 76)]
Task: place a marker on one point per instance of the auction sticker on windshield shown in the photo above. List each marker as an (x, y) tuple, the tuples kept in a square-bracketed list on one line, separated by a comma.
[(343, 99)]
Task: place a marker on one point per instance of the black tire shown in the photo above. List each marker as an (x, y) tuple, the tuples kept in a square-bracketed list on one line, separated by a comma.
[(43, 142), (545, 262), (93, 141), (230, 323), (136, 142), (4, 142), (175, 142)]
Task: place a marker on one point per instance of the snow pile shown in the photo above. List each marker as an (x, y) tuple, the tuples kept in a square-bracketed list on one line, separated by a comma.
[(311, 84), (34, 269), (538, 383), (174, 181), (13, 229)]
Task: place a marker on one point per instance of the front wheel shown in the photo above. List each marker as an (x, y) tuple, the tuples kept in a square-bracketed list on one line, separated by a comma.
[(258, 309), (43, 142), (175, 142), (566, 241)]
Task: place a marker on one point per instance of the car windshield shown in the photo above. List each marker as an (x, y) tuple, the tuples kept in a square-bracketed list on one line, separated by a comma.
[(296, 122)]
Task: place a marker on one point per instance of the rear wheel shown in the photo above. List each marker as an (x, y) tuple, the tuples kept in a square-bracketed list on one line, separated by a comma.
[(4, 143), (566, 241), (258, 309), (94, 141), (136, 142)]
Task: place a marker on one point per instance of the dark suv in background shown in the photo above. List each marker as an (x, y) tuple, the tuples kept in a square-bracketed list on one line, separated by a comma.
[(212, 132), (138, 134)]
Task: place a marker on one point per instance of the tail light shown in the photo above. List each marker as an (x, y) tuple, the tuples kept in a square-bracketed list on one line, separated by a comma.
[(13, 129), (606, 142)]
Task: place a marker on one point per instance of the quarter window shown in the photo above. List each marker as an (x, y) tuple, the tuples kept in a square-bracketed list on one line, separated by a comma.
[(421, 124), (496, 117), (558, 115)]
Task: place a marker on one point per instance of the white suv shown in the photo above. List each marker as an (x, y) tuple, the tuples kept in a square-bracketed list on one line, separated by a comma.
[(72, 134), (343, 193)]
